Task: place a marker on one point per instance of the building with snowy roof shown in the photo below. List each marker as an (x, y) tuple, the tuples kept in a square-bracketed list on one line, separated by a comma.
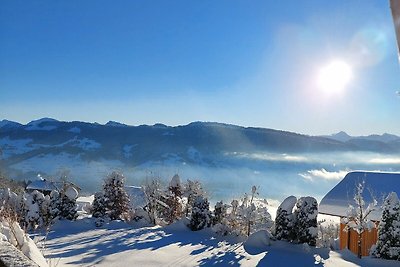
[(46, 186), (41, 185), (336, 203)]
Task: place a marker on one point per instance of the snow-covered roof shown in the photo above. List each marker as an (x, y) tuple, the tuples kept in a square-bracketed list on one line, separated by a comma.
[(377, 185), (42, 185)]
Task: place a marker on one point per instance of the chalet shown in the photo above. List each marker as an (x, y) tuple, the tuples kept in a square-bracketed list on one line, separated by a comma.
[(41, 185), (46, 186), (377, 185)]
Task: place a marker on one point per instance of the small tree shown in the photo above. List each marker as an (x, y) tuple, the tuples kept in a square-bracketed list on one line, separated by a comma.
[(155, 199), (357, 217), (245, 216), (306, 225), (388, 244), (117, 200), (285, 220), (201, 214), (191, 191), (174, 199), (328, 232), (220, 212), (99, 208)]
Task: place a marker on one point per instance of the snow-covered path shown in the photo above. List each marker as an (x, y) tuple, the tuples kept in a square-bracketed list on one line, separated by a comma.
[(80, 243)]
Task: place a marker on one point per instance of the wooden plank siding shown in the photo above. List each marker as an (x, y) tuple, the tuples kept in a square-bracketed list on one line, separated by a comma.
[(369, 238)]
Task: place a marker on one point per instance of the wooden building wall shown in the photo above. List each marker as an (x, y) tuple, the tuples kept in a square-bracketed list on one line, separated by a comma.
[(369, 238)]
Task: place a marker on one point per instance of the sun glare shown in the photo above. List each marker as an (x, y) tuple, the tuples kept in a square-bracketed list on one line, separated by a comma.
[(334, 77)]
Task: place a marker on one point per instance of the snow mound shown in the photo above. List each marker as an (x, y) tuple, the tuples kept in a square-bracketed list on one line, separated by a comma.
[(71, 193), (17, 237), (175, 181), (288, 204), (258, 242)]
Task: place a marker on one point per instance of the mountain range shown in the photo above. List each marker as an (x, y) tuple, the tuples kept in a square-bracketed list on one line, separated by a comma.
[(40, 144)]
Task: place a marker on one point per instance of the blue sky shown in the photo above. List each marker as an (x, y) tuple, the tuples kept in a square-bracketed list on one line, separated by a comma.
[(251, 63)]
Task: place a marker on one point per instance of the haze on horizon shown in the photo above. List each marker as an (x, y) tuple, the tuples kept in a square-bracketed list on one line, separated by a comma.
[(247, 63)]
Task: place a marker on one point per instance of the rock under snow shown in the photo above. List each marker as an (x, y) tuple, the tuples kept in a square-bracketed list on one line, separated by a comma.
[(175, 181), (258, 242), (71, 193), (288, 204)]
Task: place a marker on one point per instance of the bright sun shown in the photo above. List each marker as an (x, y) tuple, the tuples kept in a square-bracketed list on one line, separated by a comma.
[(334, 77)]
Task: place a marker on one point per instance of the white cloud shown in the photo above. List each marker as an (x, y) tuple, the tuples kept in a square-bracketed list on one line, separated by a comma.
[(271, 157), (385, 161), (323, 174)]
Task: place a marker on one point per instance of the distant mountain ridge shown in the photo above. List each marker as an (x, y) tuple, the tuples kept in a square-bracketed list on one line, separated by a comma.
[(344, 137), (49, 145)]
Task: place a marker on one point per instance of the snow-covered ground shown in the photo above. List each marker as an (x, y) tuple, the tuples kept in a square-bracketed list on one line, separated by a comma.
[(80, 243)]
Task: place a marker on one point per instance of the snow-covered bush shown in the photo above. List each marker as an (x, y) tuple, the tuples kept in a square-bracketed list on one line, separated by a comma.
[(388, 244), (155, 198), (357, 218), (116, 198), (191, 191), (55, 204), (306, 220), (328, 234), (99, 209), (220, 212), (32, 202), (201, 214), (10, 230), (285, 220), (244, 216)]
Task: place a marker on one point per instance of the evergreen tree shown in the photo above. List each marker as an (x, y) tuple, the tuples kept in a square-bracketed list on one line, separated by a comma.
[(201, 214), (117, 200), (68, 208), (220, 212), (285, 220), (55, 204), (192, 190), (388, 244), (306, 225), (174, 200), (99, 209)]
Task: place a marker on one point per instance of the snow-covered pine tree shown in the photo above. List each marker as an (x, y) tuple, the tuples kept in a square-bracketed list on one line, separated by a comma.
[(220, 212), (285, 220), (306, 225), (55, 204), (31, 212), (174, 199), (192, 190), (68, 207), (99, 209), (117, 200), (357, 218), (201, 214), (388, 244)]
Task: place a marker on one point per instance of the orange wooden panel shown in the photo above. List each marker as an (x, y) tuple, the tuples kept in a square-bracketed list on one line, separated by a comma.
[(368, 238)]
